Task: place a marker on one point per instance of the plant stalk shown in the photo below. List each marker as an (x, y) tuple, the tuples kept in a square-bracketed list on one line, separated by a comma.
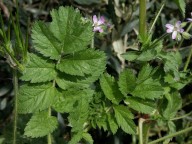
[(188, 60), (49, 140), (15, 85), (141, 121), (190, 26), (171, 135), (155, 20), (142, 18)]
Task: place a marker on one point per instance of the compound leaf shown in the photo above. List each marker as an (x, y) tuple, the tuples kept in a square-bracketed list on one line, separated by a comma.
[(41, 124), (67, 100), (140, 105), (110, 88), (38, 69), (124, 119), (82, 63), (88, 138), (127, 81), (35, 97), (67, 33), (149, 89)]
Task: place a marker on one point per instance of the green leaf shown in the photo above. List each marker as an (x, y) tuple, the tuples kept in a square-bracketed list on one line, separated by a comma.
[(79, 115), (67, 81), (35, 97), (172, 61), (131, 55), (82, 63), (140, 105), (171, 105), (182, 5), (145, 73), (38, 69), (88, 138), (76, 138), (127, 81), (41, 124), (67, 33), (112, 123), (110, 88), (149, 89), (67, 100), (123, 117)]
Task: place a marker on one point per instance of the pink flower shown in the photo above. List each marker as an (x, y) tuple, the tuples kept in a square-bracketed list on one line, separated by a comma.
[(98, 23), (175, 30)]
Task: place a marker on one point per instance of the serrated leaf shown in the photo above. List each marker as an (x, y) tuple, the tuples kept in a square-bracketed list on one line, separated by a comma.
[(112, 123), (171, 105), (172, 61), (147, 55), (131, 55), (127, 81), (45, 42), (38, 69), (110, 88), (149, 89), (41, 124), (35, 97), (67, 81), (79, 115), (124, 119), (82, 63), (67, 33), (88, 138), (76, 138), (181, 4), (67, 100), (145, 73), (140, 105)]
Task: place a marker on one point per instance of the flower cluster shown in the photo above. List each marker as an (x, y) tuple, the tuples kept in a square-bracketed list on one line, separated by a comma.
[(178, 31), (100, 24)]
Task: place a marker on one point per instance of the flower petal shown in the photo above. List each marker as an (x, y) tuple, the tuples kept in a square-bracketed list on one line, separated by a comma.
[(95, 19), (95, 29), (169, 30), (178, 24), (101, 20), (189, 19), (181, 30), (174, 35), (169, 26)]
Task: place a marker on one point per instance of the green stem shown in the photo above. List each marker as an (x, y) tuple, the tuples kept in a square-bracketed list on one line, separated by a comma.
[(141, 121), (49, 141), (188, 60), (183, 116), (15, 85), (171, 135), (190, 26), (92, 42), (142, 18), (155, 20), (19, 66)]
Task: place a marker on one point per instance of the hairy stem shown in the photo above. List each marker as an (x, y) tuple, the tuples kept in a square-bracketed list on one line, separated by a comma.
[(49, 141), (171, 135), (155, 20), (188, 60), (142, 18), (15, 85)]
